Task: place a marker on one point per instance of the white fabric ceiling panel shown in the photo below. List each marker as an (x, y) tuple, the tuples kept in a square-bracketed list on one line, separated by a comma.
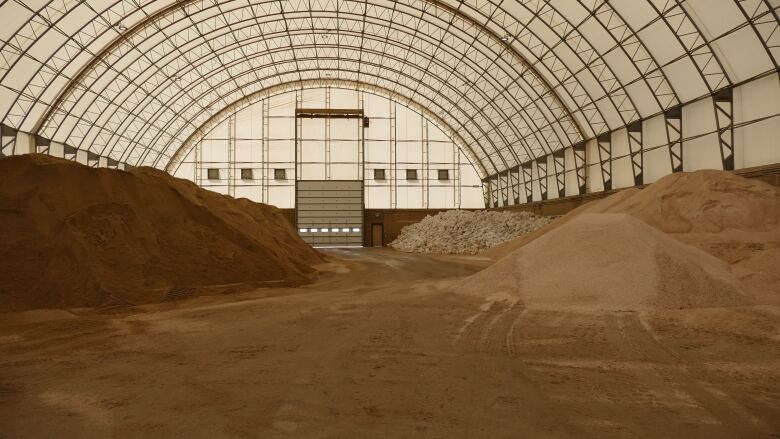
[(661, 42), (636, 14), (14, 16), (596, 36), (644, 98), (743, 53), (715, 17), (683, 77)]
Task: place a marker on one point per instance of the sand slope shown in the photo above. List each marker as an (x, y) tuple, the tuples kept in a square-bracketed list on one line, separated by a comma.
[(608, 262), (74, 236), (733, 218)]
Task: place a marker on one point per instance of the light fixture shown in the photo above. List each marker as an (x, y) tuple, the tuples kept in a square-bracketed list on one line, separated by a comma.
[(303, 230), (345, 229), (505, 38), (121, 27), (356, 229)]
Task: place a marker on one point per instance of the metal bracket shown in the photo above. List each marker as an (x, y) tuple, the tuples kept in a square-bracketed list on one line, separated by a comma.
[(579, 165), (673, 119), (636, 151), (559, 165), (541, 172), (605, 159), (527, 178), (724, 117)]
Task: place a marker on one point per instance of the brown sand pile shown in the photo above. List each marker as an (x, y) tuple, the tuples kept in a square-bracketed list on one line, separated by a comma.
[(733, 218), (610, 262), (73, 236), (506, 248)]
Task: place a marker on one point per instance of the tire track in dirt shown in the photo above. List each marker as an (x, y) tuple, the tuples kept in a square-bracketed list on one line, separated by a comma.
[(491, 337), (510, 339), (492, 331), (760, 414), (667, 374), (470, 334)]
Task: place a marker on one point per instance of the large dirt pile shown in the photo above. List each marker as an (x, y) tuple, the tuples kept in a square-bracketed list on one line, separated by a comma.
[(732, 218), (608, 262), (74, 236), (693, 203), (463, 231)]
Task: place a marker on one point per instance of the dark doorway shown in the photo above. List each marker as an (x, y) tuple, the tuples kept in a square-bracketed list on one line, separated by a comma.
[(377, 231)]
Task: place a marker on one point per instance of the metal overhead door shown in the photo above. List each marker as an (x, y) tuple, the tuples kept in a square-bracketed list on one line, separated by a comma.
[(330, 212)]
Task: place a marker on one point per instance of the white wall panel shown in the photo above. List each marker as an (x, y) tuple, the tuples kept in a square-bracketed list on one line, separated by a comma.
[(330, 149)]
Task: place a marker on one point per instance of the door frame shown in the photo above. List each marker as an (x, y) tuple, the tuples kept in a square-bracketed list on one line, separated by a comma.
[(381, 236)]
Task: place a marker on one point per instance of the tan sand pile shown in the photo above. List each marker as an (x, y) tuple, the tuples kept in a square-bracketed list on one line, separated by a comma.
[(733, 218), (700, 202), (608, 262), (464, 231), (73, 236)]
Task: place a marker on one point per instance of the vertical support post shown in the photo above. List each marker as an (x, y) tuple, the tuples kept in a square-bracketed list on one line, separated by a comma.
[(494, 191), (393, 157), (42, 145), (541, 172), (455, 175), (559, 167), (514, 184), (580, 168), (527, 181), (232, 155), (93, 160), (504, 185), (69, 153), (327, 137), (486, 192), (8, 136), (724, 117), (425, 166), (674, 136), (198, 161), (605, 159), (637, 152), (361, 166), (266, 153), (298, 165)]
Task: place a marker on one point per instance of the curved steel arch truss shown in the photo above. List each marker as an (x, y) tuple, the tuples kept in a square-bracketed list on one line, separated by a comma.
[(515, 80)]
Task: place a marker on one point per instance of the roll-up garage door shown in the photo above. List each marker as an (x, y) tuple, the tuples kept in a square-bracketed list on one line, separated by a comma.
[(330, 212)]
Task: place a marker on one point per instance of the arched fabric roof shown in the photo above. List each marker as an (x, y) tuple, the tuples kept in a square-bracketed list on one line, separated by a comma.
[(515, 79)]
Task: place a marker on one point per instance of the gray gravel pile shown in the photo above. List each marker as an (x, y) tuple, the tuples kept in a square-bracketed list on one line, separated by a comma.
[(463, 231)]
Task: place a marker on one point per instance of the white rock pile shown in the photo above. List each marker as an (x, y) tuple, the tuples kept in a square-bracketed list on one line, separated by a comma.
[(463, 231)]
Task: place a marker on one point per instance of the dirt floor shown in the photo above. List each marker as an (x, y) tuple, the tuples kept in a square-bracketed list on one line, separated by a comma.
[(381, 348)]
